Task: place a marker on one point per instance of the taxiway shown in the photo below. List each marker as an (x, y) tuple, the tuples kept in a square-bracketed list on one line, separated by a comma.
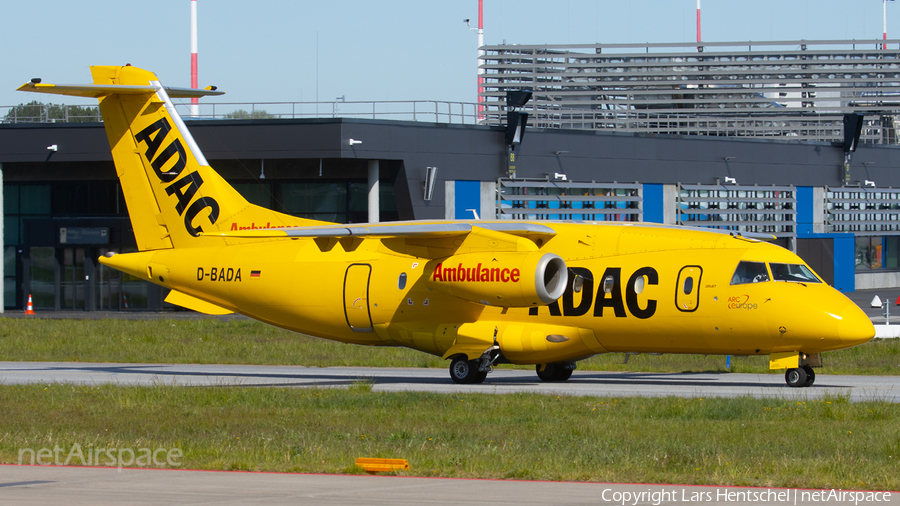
[(501, 381)]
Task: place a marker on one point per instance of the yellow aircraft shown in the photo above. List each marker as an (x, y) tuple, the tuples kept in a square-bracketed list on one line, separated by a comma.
[(476, 292)]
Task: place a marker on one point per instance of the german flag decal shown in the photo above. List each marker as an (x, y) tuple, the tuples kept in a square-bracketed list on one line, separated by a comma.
[(254, 274)]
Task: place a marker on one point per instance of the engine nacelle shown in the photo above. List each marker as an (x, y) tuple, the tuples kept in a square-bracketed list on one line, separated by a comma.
[(502, 279)]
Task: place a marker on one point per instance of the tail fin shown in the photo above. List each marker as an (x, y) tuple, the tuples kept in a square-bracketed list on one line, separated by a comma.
[(171, 191)]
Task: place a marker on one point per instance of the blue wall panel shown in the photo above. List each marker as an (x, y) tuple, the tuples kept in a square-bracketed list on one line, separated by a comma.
[(805, 210), (468, 196), (654, 210), (845, 262)]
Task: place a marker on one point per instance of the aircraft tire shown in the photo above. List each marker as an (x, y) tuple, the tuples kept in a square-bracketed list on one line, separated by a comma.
[(796, 377), (463, 371), (564, 374), (480, 377), (553, 372), (810, 376)]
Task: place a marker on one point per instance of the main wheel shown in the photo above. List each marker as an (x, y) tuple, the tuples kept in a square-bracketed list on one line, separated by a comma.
[(464, 371), (480, 377), (810, 375), (553, 372), (796, 377)]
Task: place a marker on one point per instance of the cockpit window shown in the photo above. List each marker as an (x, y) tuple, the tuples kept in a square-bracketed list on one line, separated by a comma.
[(793, 272), (750, 272)]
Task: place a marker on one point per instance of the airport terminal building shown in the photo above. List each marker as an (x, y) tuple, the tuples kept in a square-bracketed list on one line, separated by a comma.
[(743, 139)]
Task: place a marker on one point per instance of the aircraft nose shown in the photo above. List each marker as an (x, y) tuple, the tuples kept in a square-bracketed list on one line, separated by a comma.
[(854, 327)]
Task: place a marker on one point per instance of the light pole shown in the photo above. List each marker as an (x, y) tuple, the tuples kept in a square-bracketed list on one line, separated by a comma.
[(515, 126)]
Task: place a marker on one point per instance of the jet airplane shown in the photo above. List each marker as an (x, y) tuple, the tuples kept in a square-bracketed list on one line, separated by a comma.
[(478, 293)]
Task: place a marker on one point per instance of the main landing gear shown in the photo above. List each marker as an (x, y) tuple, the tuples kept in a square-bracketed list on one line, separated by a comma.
[(560, 371), (466, 372), (800, 377)]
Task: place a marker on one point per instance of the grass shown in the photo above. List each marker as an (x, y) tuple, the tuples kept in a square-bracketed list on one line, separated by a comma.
[(831, 443), (210, 340)]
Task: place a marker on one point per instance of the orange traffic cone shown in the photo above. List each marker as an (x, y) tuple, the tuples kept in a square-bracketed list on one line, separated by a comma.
[(125, 299), (29, 309), (898, 302)]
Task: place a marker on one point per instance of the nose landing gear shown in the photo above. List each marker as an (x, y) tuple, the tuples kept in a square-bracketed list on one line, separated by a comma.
[(800, 376)]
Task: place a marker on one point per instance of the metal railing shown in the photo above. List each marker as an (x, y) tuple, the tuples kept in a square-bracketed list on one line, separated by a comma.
[(863, 211), (435, 111), (763, 209), (545, 199), (798, 90)]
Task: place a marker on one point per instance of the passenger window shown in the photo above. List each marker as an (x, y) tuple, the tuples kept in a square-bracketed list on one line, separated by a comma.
[(793, 272), (750, 272), (688, 286)]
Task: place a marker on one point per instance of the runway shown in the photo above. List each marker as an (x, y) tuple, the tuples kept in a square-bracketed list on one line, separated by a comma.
[(88, 486), (501, 381)]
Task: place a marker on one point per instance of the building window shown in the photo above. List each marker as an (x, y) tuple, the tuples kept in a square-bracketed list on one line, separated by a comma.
[(256, 193), (335, 201), (877, 252), (21, 202)]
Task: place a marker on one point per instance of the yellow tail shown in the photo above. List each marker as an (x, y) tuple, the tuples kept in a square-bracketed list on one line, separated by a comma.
[(172, 193)]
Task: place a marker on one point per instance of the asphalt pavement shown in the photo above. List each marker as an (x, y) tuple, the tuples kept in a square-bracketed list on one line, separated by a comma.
[(500, 381), (77, 486)]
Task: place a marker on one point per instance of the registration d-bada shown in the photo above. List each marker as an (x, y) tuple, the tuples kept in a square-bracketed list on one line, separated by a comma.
[(477, 293)]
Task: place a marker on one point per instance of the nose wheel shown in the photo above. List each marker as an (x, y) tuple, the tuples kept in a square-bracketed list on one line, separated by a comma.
[(800, 377)]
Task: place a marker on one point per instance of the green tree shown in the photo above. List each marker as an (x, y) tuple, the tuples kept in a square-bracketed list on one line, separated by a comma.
[(39, 112), (242, 114)]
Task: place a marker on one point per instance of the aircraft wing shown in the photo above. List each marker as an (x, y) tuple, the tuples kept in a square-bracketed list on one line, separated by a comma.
[(394, 229)]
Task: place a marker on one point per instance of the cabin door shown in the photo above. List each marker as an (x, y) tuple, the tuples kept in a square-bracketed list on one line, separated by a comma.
[(356, 297)]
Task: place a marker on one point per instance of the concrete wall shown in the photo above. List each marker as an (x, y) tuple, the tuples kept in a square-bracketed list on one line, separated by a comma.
[(869, 280)]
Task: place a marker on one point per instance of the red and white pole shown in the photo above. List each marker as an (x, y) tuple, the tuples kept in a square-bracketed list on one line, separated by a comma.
[(698, 24), (480, 33), (195, 102)]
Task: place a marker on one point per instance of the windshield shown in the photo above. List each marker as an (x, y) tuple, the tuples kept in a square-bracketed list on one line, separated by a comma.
[(750, 272), (793, 272)]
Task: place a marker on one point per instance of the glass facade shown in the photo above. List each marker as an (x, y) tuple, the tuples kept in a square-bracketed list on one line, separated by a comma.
[(334, 201), (42, 274), (21, 202), (9, 275), (877, 252)]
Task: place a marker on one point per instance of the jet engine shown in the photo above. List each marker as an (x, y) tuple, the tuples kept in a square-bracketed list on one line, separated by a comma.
[(502, 279)]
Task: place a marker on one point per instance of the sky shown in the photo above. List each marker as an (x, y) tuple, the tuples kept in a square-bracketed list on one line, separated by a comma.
[(304, 50)]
